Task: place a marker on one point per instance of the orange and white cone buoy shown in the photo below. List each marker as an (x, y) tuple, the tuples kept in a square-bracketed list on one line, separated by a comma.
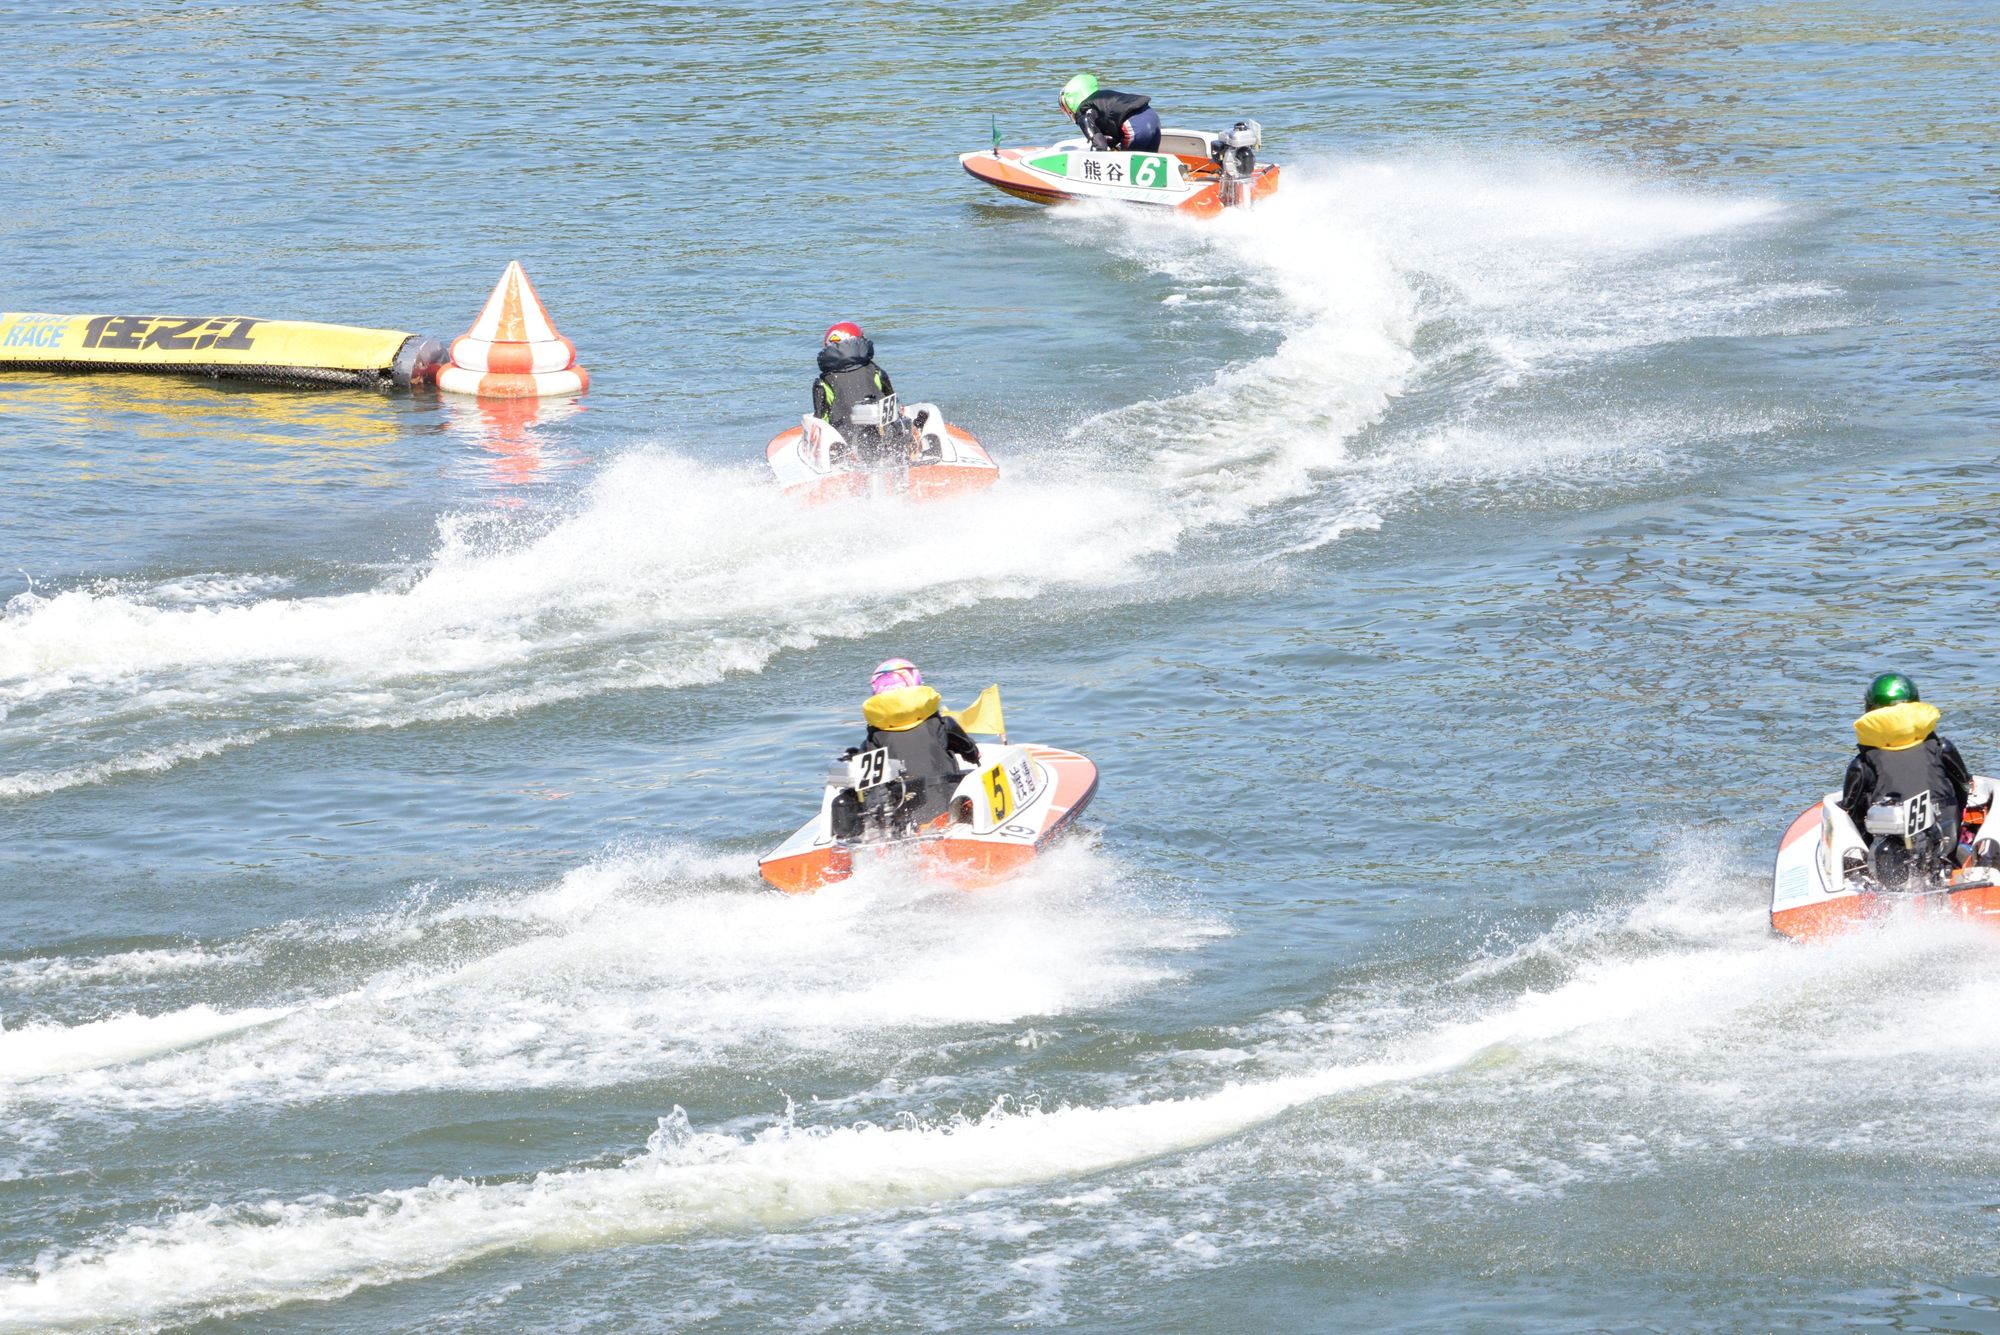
[(513, 350)]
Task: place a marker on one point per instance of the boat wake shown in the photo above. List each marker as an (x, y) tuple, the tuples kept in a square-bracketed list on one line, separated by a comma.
[(632, 967), (1670, 1027), (1359, 283)]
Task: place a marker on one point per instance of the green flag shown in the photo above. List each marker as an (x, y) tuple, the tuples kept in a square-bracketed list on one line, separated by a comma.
[(996, 135)]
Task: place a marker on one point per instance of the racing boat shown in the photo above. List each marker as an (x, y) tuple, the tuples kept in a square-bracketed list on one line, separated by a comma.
[(999, 814), (1831, 876), (893, 451), (1193, 172)]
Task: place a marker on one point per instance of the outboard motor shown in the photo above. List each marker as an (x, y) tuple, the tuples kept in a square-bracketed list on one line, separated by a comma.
[(873, 796), (1236, 154), (1907, 845), (880, 435)]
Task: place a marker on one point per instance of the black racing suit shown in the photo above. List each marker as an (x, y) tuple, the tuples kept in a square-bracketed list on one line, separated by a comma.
[(1103, 114), (930, 753), (1932, 765), (847, 375)]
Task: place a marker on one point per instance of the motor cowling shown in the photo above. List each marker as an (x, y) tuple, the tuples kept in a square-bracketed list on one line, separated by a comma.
[(879, 432), (1236, 149)]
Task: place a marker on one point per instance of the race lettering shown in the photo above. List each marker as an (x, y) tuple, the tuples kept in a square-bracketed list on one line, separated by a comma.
[(239, 334), (173, 335), (161, 333), (1022, 775), (36, 333), (114, 331)]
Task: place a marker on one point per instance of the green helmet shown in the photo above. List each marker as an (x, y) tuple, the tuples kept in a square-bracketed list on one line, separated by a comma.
[(1076, 90), (1891, 688)]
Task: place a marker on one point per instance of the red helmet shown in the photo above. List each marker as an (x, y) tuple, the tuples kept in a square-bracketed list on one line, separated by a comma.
[(845, 329)]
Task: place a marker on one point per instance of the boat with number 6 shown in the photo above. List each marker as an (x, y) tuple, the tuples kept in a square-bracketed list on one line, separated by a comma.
[(1193, 172), (998, 815)]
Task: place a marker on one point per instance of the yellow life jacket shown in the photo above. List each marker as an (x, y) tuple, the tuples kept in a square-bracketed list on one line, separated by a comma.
[(1897, 727), (901, 709)]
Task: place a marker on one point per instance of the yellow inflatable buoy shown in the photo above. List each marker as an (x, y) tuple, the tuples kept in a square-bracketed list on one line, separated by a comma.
[(227, 347)]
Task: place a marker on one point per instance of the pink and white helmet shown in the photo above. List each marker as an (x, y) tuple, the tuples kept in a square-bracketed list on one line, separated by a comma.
[(893, 673)]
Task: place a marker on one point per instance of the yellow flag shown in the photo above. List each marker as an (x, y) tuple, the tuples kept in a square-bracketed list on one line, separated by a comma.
[(983, 715)]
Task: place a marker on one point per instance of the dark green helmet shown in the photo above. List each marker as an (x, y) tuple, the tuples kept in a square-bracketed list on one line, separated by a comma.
[(1891, 688)]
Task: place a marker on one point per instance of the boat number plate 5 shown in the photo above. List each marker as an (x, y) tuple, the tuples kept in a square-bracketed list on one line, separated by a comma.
[(999, 794), (870, 768)]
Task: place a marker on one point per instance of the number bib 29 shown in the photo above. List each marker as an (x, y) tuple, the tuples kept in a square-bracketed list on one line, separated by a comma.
[(869, 768)]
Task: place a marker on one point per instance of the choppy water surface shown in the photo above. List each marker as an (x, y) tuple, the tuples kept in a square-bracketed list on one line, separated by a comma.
[(1461, 569)]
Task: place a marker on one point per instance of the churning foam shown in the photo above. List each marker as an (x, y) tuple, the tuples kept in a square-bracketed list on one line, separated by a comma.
[(35, 1051), (1461, 278), (1344, 316), (636, 965), (1669, 998), (237, 1259), (669, 573), (37, 973)]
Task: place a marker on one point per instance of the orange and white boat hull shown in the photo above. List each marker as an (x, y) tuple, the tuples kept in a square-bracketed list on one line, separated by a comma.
[(808, 462), (1181, 176), (1811, 898), (1020, 799)]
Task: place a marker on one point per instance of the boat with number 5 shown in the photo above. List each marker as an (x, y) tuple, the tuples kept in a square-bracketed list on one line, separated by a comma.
[(995, 818), (1193, 172)]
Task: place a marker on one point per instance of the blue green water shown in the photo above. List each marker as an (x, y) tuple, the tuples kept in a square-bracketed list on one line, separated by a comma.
[(1461, 568)]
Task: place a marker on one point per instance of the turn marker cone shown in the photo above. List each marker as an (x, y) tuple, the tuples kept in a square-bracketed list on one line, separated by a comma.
[(513, 350)]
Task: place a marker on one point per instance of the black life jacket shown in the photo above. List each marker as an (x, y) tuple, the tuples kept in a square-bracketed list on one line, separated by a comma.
[(1912, 770), (1107, 110), (921, 749), (929, 768), (1115, 106), (847, 376)]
